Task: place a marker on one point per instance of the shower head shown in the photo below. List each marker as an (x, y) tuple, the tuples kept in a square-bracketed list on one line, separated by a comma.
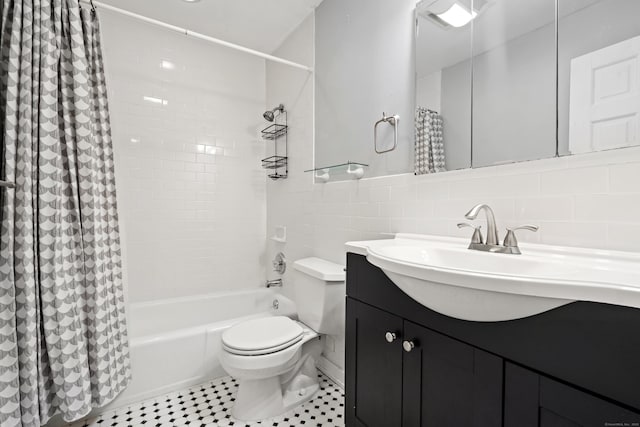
[(270, 115)]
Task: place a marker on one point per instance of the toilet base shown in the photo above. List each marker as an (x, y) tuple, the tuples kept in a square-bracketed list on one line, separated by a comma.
[(257, 399), (261, 399)]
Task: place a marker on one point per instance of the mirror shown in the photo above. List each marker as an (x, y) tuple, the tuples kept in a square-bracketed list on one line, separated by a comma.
[(531, 85), (491, 75), (514, 81), (443, 90), (598, 75)]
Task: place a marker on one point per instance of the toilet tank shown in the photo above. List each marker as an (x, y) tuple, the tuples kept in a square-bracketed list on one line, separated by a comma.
[(319, 294)]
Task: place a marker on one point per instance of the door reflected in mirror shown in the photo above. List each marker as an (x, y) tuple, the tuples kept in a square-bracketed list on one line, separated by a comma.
[(598, 75)]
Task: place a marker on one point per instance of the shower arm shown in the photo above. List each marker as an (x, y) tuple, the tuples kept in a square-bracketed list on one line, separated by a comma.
[(270, 115)]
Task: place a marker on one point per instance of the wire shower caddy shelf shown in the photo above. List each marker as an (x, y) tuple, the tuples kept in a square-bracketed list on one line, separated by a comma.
[(277, 132)]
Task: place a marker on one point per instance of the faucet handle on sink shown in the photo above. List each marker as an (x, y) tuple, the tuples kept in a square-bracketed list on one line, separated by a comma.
[(510, 240), (477, 234)]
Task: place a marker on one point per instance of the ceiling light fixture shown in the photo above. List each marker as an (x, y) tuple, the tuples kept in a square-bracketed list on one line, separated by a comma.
[(452, 13), (457, 16), (190, 1)]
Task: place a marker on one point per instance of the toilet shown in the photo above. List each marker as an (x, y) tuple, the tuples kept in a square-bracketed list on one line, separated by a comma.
[(274, 358)]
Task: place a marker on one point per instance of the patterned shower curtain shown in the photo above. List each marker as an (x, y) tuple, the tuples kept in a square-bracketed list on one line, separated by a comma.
[(63, 339), (429, 143)]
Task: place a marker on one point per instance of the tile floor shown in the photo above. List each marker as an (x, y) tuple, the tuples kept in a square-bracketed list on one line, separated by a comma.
[(210, 405)]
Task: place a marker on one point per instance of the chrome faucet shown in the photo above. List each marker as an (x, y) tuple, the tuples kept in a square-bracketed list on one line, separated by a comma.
[(492, 244), (492, 231), (276, 283)]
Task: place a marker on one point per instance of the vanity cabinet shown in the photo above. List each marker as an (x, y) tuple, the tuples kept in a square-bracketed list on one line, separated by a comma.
[(447, 382), (409, 375), (377, 367), (409, 366), (532, 400)]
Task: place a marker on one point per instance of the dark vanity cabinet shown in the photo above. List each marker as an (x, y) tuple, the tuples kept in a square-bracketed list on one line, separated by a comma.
[(409, 366), (454, 383), (367, 329), (533, 400), (438, 382)]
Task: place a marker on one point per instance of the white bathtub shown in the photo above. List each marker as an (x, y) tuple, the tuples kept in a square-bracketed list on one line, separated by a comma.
[(175, 343)]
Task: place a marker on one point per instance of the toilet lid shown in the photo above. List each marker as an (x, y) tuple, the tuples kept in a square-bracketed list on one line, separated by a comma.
[(262, 335)]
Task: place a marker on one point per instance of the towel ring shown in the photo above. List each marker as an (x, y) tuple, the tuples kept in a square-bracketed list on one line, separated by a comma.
[(393, 121)]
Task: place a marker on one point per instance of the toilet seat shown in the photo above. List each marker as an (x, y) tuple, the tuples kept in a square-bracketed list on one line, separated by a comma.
[(262, 336), (273, 359)]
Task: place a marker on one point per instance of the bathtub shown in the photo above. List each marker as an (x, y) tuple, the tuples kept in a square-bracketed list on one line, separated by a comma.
[(175, 343)]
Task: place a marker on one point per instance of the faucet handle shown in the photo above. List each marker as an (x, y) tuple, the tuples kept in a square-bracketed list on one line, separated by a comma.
[(510, 240), (477, 234)]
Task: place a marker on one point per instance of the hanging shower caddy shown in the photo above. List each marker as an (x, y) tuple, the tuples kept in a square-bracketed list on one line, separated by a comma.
[(277, 132)]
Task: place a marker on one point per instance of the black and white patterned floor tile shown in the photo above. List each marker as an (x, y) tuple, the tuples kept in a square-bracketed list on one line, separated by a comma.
[(210, 405)]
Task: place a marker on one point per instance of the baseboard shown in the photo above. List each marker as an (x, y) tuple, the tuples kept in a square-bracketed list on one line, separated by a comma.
[(331, 370)]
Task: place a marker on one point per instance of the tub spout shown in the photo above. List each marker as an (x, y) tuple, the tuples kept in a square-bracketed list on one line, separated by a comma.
[(277, 283)]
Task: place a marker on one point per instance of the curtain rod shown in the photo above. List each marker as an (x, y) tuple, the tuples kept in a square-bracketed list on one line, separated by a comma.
[(200, 36)]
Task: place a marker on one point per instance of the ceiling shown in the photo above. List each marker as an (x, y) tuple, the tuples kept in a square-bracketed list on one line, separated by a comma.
[(257, 24)]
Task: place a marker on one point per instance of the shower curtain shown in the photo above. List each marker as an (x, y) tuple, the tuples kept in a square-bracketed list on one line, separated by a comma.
[(429, 143), (63, 339)]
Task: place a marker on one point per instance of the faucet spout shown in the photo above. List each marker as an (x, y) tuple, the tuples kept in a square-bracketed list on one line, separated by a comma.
[(492, 230), (274, 283)]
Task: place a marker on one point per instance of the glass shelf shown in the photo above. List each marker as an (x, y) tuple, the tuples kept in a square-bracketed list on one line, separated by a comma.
[(353, 169), (341, 165)]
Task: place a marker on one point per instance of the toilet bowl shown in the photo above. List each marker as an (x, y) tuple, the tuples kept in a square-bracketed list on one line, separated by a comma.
[(274, 358)]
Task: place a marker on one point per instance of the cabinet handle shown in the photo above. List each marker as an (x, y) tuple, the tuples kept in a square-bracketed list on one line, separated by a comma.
[(390, 336), (408, 346)]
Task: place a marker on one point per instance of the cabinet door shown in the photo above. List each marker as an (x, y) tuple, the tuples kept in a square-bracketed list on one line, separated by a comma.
[(449, 383), (532, 400), (373, 367)]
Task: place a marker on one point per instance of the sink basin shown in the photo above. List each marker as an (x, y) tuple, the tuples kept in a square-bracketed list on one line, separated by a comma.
[(443, 275)]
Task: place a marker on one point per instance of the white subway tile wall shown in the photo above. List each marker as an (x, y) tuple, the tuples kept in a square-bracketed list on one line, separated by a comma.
[(590, 200), (583, 208), (192, 196)]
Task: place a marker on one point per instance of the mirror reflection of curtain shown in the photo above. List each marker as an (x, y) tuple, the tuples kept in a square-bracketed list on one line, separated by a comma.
[(429, 143)]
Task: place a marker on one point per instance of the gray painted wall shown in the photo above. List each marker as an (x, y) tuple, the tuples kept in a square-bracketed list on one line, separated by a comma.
[(364, 66)]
